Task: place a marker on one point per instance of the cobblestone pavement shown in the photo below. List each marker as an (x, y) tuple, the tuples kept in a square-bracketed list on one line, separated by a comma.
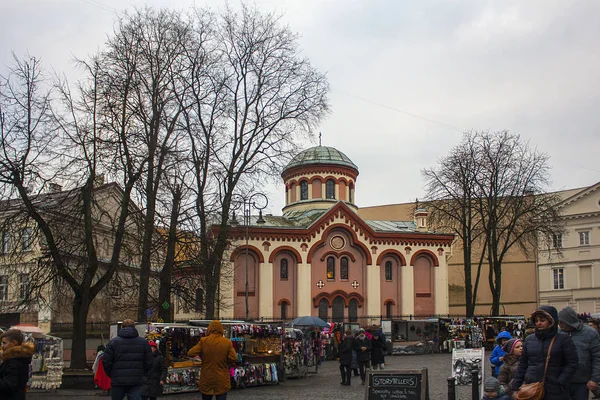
[(324, 385)]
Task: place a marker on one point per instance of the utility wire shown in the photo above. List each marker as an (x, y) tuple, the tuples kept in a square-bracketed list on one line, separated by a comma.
[(101, 5)]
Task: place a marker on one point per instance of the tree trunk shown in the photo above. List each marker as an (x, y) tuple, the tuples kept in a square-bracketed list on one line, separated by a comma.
[(81, 307), (165, 276), (146, 254), (496, 294)]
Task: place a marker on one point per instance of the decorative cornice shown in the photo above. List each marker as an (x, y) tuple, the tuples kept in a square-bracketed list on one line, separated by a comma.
[(307, 170)]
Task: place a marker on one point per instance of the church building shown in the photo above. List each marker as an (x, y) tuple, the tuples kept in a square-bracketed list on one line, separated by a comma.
[(321, 259)]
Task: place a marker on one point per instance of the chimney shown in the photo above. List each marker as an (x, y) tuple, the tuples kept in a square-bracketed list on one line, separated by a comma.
[(421, 219), (54, 188)]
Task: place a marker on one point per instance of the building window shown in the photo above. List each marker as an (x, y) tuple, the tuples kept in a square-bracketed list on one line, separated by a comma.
[(284, 310), (283, 270), (3, 288), (584, 238), (6, 245), (559, 278), (344, 268), (388, 309), (353, 310), (303, 190), (23, 286), (330, 268), (330, 189), (26, 239), (585, 276), (199, 300), (388, 270), (557, 240), (323, 309)]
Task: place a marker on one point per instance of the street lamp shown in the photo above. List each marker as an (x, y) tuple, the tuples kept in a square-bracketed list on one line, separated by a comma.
[(257, 201)]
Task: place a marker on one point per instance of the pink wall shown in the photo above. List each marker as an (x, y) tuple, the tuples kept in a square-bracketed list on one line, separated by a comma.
[(239, 276), (424, 286), (342, 187), (391, 289), (292, 193), (317, 189), (284, 289)]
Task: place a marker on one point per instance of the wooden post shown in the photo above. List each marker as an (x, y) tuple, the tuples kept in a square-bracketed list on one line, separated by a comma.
[(451, 388), (475, 384)]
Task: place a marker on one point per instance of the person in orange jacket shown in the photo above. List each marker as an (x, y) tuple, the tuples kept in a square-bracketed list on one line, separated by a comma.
[(217, 354)]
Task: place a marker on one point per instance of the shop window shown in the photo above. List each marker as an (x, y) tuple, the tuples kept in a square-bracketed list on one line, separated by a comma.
[(199, 300), (388, 310), (353, 310), (323, 309), (388, 270), (344, 268), (330, 189), (284, 310), (304, 190), (330, 268), (559, 278), (283, 269)]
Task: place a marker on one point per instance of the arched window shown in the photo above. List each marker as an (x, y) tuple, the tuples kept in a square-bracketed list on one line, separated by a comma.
[(199, 300), (304, 190), (330, 268), (353, 310), (283, 269), (284, 310), (388, 309), (388, 270), (344, 268), (330, 189), (337, 311), (323, 308)]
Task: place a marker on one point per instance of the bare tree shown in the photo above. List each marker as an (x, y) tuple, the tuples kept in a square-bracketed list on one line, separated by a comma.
[(450, 195), (249, 98), (490, 192)]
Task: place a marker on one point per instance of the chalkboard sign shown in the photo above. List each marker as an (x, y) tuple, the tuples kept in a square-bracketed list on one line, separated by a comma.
[(398, 384)]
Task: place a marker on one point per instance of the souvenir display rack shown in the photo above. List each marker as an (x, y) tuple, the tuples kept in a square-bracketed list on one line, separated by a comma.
[(460, 333), (47, 363), (174, 341)]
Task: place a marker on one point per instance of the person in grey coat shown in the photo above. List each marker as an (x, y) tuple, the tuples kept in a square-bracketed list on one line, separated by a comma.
[(587, 343)]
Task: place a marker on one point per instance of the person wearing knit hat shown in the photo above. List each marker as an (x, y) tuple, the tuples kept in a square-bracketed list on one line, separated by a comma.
[(587, 343), (491, 390), (562, 361), (513, 349)]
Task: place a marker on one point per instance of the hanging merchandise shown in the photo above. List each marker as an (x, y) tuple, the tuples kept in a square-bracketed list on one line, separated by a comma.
[(46, 363)]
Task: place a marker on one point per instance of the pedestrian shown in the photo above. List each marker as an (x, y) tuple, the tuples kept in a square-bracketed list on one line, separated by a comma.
[(14, 370), (513, 349), (548, 347), (587, 342), (354, 364), (594, 323), (126, 360), (498, 354), (491, 390), (345, 349), (362, 346), (155, 379), (101, 380), (377, 349), (217, 354)]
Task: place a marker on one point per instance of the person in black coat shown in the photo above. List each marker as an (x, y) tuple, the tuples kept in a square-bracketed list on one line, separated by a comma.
[(563, 357), (362, 346), (14, 370), (345, 350), (154, 381), (126, 361), (377, 348)]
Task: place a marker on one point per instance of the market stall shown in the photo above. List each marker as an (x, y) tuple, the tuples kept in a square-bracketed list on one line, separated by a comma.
[(47, 363), (460, 333)]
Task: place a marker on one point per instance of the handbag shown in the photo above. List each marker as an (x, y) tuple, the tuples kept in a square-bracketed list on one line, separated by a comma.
[(535, 391)]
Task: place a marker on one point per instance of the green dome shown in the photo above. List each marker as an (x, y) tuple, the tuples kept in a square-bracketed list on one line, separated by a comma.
[(321, 155)]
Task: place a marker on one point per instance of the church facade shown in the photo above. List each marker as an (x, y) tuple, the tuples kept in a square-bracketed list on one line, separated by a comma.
[(321, 259)]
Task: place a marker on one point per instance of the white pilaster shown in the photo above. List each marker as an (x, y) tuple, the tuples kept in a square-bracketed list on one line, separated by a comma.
[(440, 288), (408, 290), (303, 285), (373, 293), (265, 290)]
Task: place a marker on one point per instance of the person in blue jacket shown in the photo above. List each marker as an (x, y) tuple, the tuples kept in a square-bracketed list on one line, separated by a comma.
[(498, 354)]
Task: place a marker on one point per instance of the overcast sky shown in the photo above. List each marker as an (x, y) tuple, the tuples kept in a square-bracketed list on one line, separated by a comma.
[(407, 77)]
